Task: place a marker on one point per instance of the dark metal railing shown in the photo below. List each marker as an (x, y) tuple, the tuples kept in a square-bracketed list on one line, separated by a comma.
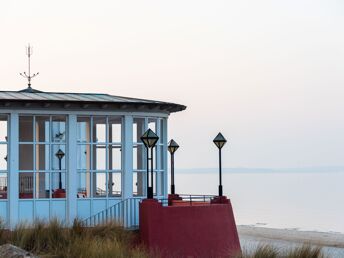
[(126, 212), (191, 199)]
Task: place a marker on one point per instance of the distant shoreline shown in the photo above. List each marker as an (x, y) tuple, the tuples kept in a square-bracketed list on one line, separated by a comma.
[(264, 170)]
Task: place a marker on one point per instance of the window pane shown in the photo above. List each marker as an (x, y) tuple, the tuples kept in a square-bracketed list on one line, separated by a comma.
[(162, 157), (84, 157), (115, 184), (99, 129), (59, 129), (42, 128), (3, 185), (3, 157), (138, 129), (161, 134), (84, 129), (115, 129), (139, 157), (139, 183), (26, 129), (99, 184), (84, 185), (42, 185), (99, 157), (3, 128), (25, 157), (42, 157), (58, 185), (56, 164), (115, 157), (152, 124), (26, 185)]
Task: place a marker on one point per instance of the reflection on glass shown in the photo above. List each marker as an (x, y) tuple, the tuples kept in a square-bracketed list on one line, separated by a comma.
[(58, 179), (139, 157), (115, 156), (84, 129), (42, 156), (58, 128), (3, 128), (84, 185), (99, 157), (3, 185), (138, 129), (139, 183), (25, 157), (42, 128), (3, 157), (26, 185), (26, 129), (99, 129), (99, 184), (42, 185), (56, 164), (152, 124), (115, 184), (84, 157), (115, 129)]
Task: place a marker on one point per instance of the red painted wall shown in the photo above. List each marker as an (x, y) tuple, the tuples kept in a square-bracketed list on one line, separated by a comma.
[(189, 231)]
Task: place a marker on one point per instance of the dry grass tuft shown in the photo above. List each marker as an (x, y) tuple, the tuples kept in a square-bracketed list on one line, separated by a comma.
[(267, 251), (54, 239)]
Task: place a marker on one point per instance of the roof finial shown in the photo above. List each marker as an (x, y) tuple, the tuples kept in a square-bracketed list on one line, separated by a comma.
[(28, 76)]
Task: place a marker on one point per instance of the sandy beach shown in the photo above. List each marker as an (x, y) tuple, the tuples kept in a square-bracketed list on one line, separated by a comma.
[(252, 236)]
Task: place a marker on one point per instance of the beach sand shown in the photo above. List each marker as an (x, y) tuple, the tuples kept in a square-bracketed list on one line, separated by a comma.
[(252, 236)]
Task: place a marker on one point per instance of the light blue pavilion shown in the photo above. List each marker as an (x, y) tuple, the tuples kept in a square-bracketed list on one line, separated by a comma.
[(76, 155)]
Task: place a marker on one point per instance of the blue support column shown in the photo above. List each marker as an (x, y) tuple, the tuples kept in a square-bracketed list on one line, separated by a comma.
[(72, 176), (127, 157), (13, 175)]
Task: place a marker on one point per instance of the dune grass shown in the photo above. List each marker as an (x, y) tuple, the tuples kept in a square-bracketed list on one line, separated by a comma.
[(268, 251), (54, 239)]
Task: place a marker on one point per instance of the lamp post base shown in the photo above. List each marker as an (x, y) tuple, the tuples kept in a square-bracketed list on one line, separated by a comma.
[(220, 190), (150, 192), (172, 189)]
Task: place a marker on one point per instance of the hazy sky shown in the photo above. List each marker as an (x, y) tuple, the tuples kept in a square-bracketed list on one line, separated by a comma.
[(267, 74)]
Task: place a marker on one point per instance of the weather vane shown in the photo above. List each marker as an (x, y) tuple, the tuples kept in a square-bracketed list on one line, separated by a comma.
[(28, 75)]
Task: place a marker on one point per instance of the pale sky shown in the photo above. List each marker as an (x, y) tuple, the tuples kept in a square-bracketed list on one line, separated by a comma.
[(267, 74)]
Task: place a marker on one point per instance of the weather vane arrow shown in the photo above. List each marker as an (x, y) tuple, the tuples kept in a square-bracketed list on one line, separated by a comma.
[(28, 76)]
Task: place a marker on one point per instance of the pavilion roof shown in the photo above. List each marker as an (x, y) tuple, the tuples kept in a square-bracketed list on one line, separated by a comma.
[(30, 97)]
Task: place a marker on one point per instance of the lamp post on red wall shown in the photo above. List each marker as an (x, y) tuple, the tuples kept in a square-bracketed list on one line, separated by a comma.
[(220, 141), (172, 148), (149, 138)]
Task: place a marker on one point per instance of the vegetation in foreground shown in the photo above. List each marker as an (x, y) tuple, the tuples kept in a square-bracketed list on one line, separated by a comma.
[(53, 239), (267, 251)]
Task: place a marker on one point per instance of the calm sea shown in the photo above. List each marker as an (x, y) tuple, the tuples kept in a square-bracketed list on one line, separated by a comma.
[(293, 200)]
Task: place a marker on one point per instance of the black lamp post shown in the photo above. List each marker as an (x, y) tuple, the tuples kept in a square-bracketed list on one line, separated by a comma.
[(149, 138), (60, 154), (172, 147), (220, 142)]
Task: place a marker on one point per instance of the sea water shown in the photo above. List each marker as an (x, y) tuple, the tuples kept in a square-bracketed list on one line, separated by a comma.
[(293, 200)]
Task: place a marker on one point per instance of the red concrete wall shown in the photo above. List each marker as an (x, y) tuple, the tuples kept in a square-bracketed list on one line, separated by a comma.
[(189, 231)]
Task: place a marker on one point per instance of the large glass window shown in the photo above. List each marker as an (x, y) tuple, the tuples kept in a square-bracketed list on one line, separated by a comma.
[(3, 155), (140, 156), (99, 157), (42, 156)]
